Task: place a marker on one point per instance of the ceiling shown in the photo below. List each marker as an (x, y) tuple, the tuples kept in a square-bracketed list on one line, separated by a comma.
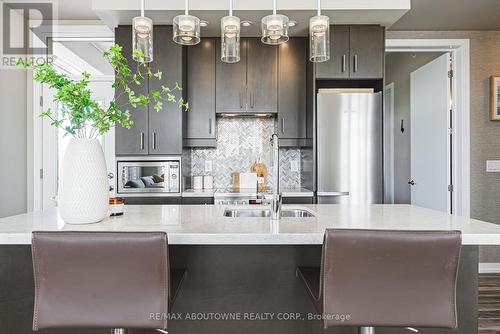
[(451, 15), (424, 14), (75, 10), (383, 12)]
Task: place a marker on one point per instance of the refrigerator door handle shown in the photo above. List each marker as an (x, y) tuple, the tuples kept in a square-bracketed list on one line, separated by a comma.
[(332, 193)]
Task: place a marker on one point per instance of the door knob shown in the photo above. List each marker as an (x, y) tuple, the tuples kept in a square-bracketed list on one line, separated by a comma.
[(411, 183)]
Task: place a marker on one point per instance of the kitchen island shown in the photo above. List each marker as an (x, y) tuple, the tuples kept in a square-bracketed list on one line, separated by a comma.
[(240, 265)]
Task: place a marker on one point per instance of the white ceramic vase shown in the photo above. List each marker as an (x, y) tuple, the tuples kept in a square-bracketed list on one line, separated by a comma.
[(83, 183)]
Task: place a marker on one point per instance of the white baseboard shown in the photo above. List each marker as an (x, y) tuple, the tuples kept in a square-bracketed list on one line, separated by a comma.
[(489, 268)]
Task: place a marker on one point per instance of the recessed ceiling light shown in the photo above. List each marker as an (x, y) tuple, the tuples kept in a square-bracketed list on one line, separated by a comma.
[(292, 23), (246, 23), (203, 23)]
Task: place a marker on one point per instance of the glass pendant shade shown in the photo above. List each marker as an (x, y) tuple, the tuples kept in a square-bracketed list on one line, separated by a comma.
[(142, 37), (230, 39), (186, 30), (274, 29), (319, 38)]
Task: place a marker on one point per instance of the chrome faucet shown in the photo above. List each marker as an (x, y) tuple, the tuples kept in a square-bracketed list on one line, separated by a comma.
[(277, 199)]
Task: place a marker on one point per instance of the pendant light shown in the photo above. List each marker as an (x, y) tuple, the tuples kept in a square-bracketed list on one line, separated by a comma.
[(142, 35), (319, 37), (230, 37), (186, 28), (274, 28)]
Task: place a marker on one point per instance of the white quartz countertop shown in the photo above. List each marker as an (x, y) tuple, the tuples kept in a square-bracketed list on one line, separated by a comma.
[(205, 224), (295, 192)]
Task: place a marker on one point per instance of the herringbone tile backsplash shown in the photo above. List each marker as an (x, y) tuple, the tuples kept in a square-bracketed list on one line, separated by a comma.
[(241, 142)]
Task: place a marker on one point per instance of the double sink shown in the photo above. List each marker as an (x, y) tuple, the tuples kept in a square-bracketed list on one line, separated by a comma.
[(266, 213)]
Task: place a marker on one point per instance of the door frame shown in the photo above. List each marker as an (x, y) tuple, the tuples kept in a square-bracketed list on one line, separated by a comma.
[(94, 32), (389, 154), (460, 53)]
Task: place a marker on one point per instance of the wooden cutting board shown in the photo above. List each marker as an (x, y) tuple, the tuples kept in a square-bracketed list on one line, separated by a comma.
[(261, 170)]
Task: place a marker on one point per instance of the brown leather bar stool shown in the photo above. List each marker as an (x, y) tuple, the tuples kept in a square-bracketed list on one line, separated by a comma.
[(118, 280), (377, 278)]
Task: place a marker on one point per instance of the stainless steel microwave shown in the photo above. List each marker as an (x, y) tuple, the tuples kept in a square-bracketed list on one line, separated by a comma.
[(151, 177)]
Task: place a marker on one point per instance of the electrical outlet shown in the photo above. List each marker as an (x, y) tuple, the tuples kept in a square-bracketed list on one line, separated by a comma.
[(493, 166), (208, 166), (294, 165)]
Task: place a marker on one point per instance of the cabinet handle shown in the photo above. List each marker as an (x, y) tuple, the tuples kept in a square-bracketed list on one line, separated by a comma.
[(142, 140), (241, 100), (253, 100), (283, 125), (343, 63), (154, 140), (355, 63), (210, 126)]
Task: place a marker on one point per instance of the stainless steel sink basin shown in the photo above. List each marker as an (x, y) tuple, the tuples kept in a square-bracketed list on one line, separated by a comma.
[(297, 213), (254, 213), (265, 213)]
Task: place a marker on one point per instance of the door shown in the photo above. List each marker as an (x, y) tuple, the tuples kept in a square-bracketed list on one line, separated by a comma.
[(292, 88), (231, 82), (262, 76), (338, 65), (430, 142), (367, 49), (350, 148), (132, 141), (201, 90), (165, 126)]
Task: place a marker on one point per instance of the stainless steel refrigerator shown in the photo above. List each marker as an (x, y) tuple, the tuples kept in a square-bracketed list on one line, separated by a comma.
[(350, 147)]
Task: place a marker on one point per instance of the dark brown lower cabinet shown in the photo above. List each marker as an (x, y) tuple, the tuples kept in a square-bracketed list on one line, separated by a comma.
[(151, 200), (197, 200), (298, 200)]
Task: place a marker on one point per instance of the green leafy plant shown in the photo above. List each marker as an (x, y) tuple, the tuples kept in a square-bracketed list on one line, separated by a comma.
[(83, 117)]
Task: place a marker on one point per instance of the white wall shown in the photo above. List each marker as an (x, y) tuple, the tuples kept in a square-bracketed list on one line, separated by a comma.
[(13, 171)]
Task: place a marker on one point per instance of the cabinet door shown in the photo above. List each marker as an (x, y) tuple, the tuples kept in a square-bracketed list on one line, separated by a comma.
[(201, 90), (132, 141), (292, 89), (231, 82), (338, 65), (165, 126), (367, 52), (262, 74)]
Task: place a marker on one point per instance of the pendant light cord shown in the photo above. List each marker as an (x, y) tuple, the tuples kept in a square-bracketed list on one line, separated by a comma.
[(142, 8), (274, 7), (230, 7), (319, 7), (186, 11)]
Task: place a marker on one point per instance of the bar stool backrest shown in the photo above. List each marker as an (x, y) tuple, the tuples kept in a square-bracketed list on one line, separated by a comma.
[(390, 278), (100, 280)]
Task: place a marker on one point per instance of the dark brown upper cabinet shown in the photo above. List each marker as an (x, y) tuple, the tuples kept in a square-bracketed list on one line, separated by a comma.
[(165, 126), (367, 52), (231, 80), (262, 76), (132, 141), (201, 124), (357, 52), (292, 74), (338, 65), (154, 133), (249, 85)]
